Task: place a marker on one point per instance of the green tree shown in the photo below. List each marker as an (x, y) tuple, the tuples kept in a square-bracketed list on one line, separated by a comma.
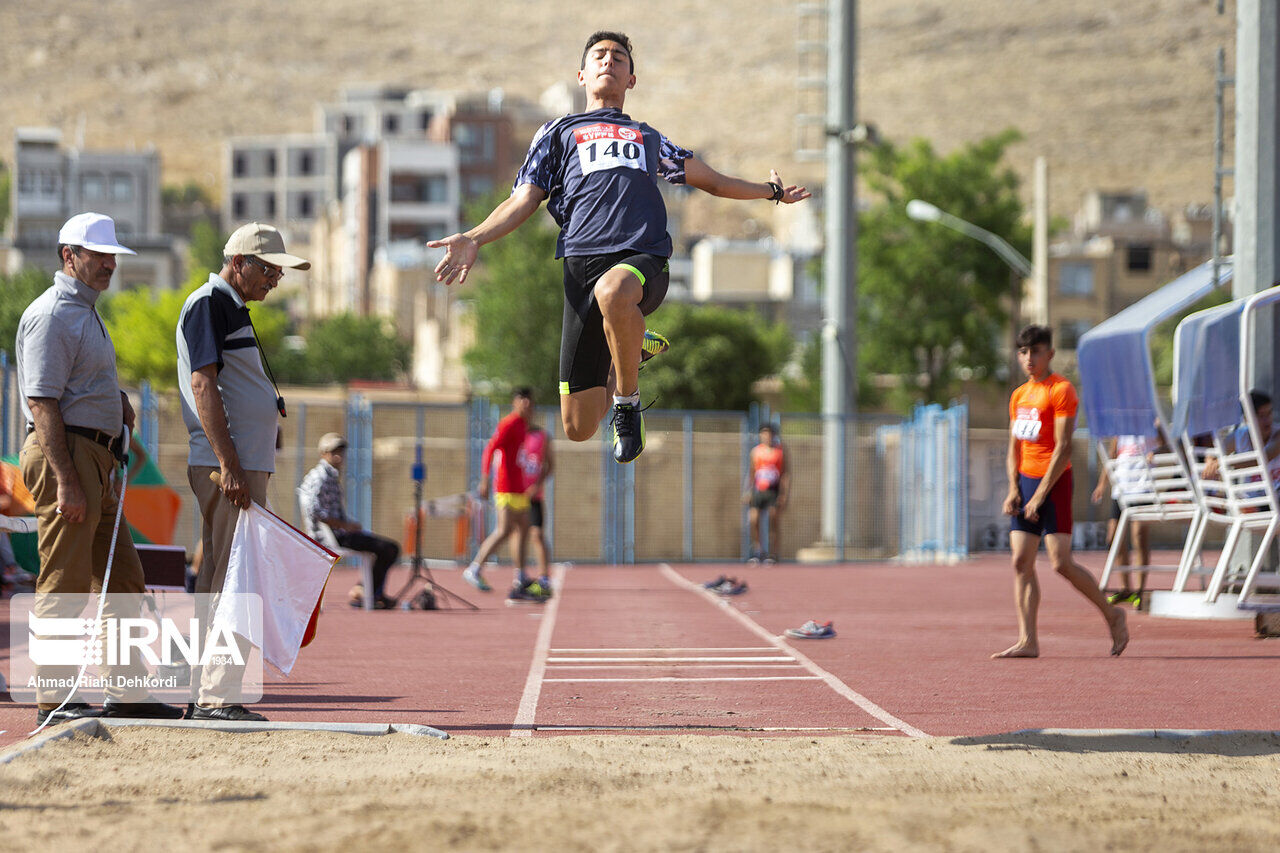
[(517, 308), (143, 323), (339, 349), (932, 301), (16, 293), (204, 254), (716, 355)]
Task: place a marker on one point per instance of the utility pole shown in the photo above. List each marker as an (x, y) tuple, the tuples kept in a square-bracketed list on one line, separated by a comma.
[(840, 273)]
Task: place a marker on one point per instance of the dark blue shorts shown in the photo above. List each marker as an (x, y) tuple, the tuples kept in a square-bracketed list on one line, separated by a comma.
[(1054, 515)]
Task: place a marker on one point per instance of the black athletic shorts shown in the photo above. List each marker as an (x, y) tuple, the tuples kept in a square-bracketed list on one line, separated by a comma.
[(535, 512), (763, 498), (584, 352)]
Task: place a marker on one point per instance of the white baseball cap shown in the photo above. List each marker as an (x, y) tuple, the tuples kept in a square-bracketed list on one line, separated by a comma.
[(92, 231), (263, 241)]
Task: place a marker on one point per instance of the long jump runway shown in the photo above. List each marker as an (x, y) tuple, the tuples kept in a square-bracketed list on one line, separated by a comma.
[(646, 648)]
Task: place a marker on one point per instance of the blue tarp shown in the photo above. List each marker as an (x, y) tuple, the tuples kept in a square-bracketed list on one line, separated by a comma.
[(1207, 394), (1117, 381)]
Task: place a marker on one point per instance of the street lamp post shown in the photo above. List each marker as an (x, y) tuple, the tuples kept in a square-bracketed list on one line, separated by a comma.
[(922, 211), (1020, 268)]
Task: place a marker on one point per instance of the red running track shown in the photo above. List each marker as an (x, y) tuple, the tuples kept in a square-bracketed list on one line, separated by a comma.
[(640, 647)]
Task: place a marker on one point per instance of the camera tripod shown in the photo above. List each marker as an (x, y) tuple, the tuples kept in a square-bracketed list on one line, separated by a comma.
[(438, 598)]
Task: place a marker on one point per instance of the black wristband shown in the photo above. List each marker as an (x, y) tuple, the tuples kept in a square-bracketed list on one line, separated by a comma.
[(778, 192)]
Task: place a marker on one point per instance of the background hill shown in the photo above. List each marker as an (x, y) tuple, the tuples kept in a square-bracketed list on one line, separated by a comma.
[(1115, 95)]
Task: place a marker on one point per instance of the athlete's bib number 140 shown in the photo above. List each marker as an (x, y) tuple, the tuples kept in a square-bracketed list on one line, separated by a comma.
[(610, 147)]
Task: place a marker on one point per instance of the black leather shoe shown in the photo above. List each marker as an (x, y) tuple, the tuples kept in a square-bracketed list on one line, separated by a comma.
[(72, 711), (151, 710), (227, 713)]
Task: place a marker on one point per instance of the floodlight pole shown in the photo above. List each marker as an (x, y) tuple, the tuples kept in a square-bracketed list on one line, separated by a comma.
[(1257, 182), (840, 272)]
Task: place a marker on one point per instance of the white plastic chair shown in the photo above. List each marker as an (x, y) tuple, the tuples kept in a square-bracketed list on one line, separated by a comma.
[(1160, 490)]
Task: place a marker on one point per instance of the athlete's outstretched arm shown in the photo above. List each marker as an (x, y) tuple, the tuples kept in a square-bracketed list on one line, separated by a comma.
[(461, 249), (699, 174)]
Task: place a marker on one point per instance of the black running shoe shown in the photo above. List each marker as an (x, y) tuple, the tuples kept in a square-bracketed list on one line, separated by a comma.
[(628, 432)]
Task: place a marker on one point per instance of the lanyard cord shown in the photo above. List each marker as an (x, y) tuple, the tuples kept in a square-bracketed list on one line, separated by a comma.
[(267, 365)]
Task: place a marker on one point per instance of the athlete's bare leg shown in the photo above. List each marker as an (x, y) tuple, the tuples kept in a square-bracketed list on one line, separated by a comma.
[(1026, 595), (582, 411), (541, 557), (504, 528), (775, 530), (618, 293), (1059, 547), (753, 524), (520, 531)]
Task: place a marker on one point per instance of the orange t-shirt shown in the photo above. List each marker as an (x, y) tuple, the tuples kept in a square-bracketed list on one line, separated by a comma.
[(766, 467), (1032, 410)]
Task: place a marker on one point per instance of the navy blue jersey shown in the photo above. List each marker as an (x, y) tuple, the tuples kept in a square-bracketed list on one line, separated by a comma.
[(600, 171)]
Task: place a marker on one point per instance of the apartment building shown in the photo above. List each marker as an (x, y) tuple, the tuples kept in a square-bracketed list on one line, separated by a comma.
[(52, 182), (284, 179), (1120, 249)]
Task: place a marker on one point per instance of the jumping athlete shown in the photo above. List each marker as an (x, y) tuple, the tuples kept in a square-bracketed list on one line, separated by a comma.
[(598, 172), (1042, 415)]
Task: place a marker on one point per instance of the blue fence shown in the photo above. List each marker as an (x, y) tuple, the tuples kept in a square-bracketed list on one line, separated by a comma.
[(683, 501), (933, 497)]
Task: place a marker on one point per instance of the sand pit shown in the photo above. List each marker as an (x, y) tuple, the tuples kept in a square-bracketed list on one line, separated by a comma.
[(166, 789)]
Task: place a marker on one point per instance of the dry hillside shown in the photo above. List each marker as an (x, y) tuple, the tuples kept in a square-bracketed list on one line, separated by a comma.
[(1115, 94)]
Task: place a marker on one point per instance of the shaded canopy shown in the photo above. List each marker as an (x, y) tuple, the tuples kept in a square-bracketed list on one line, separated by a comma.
[(1117, 380)]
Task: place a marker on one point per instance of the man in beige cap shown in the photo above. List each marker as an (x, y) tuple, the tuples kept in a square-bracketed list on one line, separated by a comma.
[(230, 405), (76, 414), (322, 504)]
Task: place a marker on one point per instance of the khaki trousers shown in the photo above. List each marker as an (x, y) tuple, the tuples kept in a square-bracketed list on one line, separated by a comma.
[(73, 557), (219, 684)]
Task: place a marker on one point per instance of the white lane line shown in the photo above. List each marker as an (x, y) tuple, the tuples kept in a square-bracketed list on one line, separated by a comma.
[(523, 725), (669, 659), (779, 643), (662, 649), (709, 678), (786, 665)]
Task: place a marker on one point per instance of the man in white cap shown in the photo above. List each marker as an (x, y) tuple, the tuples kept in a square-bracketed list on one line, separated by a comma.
[(76, 413), (230, 404)]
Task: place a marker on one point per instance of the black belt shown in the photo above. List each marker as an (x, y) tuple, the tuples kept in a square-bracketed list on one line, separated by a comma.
[(106, 439)]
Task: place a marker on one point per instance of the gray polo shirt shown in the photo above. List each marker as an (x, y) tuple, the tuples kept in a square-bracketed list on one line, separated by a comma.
[(64, 353), (214, 328)]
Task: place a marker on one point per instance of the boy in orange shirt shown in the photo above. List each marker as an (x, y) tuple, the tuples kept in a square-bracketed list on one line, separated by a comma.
[(1042, 415)]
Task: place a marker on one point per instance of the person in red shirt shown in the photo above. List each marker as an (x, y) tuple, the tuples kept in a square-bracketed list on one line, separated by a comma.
[(770, 483), (1042, 416), (510, 497)]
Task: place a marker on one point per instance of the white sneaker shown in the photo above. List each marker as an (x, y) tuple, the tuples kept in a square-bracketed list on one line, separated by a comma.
[(472, 576)]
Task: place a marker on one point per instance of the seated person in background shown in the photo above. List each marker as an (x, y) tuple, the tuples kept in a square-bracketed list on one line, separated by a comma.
[(1240, 441), (321, 494)]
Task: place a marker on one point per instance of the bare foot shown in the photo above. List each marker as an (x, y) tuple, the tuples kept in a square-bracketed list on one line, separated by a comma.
[(1119, 631), (1020, 650)]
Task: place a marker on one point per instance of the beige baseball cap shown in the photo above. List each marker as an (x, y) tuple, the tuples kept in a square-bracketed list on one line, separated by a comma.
[(331, 441), (263, 241)]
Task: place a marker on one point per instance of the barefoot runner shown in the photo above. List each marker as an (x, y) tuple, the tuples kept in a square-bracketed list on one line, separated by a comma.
[(1042, 415)]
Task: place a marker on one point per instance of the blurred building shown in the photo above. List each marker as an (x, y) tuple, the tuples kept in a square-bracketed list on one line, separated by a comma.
[(1120, 249), (52, 183), (284, 179)]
